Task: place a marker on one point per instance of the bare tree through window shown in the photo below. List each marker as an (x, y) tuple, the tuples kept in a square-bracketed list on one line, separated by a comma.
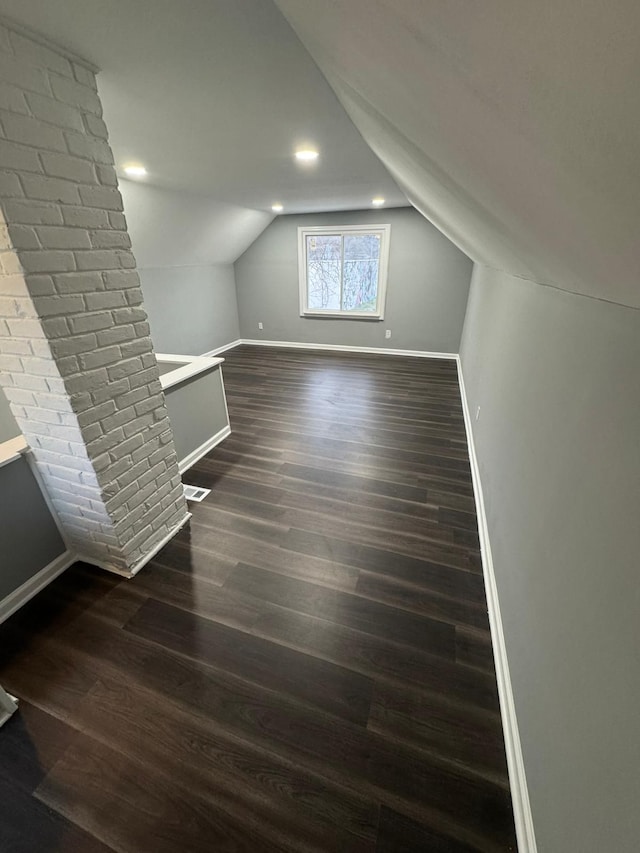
[(343, 271)]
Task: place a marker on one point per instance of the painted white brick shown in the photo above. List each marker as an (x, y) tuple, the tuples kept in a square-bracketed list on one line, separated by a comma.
[(39, 366), (32, 131), (10, 364), (39, 55), (67, 366), (14, 285), (55, 385), (107, 175), (29, 212), (15, 346), (106, 198), (85, 217), (106, 300), (16, 156), (43, 188), (81, 279), (53, 112), (110, 240), (138, 346), (100, 357), (97, 413), (121, 279), (103, 443), (40, 285), (55, 237), (90, 322), (129, 398), (141, 424), (115, 335), (119, 419), (55, 327), (98, 259), (20, 397), (95, 126), (61, 472), (125, 368), (78, 282), (110, 391), (10, 186), (143, 377), (25, 328), (134, 297), (23, 74), (35, 383), (133, 473), (23, 237), (47, 261), (129, 315), (10, 263), (118, 221), (12, 306), (88, 381), (74, 93), (130, 446), (89, 147), (84, 75), (12, 98), (73, 346), (67, 167)]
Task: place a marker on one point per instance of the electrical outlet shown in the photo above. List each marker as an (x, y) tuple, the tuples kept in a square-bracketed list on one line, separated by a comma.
[(387, 333), (478, 413), (260, 326)]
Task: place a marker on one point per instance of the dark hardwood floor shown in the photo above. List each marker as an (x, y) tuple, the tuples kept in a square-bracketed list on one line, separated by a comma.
[(306, 667)]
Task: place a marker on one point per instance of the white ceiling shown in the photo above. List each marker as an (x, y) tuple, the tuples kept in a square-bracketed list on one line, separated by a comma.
[(213, 96), (514, 127)]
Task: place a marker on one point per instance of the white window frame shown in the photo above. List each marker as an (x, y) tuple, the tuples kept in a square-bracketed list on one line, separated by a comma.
[(339, 231)]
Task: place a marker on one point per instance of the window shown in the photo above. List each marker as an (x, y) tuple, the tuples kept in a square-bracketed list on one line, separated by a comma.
[(343, 271)]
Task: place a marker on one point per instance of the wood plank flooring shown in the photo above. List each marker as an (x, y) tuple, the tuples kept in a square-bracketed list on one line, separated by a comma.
[(306, 667)]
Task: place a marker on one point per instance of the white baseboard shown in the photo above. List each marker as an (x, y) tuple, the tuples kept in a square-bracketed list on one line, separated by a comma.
[(199, 452), (22, 594), (413, 353), (515, 762), (223, 348)]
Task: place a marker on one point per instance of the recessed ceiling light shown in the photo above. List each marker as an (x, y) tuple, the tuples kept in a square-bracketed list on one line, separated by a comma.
[(277, 208), (135, 171), (377, 202), (306, 154)]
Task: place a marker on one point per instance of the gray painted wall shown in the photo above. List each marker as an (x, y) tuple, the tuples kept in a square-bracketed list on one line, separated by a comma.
[(427, 289), (192, 310), (197, 410), (29, 538), (8, 426), (558, 443)]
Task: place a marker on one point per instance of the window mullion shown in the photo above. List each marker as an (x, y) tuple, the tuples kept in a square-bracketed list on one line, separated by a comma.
[(342, 272)]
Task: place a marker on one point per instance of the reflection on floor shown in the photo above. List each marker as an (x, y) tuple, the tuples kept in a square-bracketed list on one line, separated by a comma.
[(307, 667)]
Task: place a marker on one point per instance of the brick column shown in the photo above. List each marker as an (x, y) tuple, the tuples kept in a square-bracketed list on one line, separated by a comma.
[(76, 360)]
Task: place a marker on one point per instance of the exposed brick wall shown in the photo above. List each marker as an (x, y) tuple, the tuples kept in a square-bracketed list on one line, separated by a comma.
[(76, 359)]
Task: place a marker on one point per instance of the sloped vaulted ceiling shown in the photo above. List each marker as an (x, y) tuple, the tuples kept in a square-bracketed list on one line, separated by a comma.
[(513, 126)]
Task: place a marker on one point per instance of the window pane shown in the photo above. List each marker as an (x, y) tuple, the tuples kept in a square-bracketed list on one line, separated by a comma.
[(361, 267), (324, 270)]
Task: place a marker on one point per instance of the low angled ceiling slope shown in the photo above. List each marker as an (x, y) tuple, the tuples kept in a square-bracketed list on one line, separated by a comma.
[(213, 96), (514, 127)]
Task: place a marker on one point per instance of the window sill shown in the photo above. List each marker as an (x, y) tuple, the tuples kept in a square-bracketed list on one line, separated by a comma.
[(342, 315)]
